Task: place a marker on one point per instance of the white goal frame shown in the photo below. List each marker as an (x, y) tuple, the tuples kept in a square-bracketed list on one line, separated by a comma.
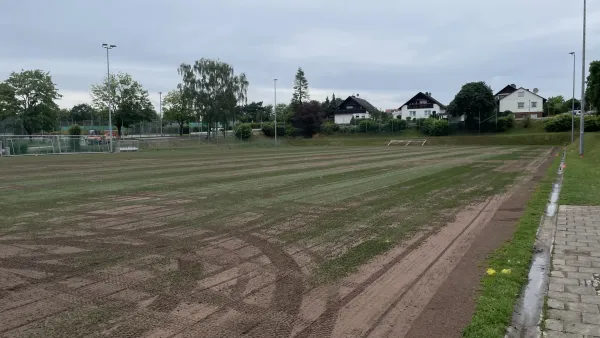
[(409, 141)]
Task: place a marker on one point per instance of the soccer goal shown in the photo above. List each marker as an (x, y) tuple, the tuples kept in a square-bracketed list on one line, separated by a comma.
[(127, 146), (416, 142)]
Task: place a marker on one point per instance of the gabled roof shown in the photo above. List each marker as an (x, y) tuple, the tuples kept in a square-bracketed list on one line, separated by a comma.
[(509, 89), (424, 96), (527, 90), (361, 102)]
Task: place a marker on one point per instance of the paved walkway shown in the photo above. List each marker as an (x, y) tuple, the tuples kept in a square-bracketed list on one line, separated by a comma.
[(574, 290)]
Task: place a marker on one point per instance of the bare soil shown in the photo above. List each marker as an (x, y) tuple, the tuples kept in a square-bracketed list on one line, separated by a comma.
[(138, 266)]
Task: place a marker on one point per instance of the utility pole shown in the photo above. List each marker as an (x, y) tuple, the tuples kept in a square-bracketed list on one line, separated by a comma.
[(581, 117), (110, 98)]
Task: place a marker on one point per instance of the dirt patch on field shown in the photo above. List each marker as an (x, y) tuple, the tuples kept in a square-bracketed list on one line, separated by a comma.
[(158, 264)]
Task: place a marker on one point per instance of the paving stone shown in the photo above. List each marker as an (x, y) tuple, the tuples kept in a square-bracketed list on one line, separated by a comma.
[(564, 315), (583, 329), (565, 281), (582, 307), (564, 296), (554, 324), (556, 304), (591, 318), (557, 334), (582, 290)]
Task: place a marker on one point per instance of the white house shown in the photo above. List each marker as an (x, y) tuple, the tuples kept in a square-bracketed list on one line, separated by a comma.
[(422, 105), (520, 101), (353, 107)]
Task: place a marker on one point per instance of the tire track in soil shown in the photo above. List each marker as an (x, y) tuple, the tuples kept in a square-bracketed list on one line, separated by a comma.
[(325, 323)]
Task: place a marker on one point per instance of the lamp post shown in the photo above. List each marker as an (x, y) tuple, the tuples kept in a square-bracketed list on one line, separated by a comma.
[(110, 141), (160, 111), (573, 103), (275, 106), (581, 116)]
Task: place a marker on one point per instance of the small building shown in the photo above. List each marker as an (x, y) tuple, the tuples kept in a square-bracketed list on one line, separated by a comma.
[(522, 102), (353, 107), (422, 105)]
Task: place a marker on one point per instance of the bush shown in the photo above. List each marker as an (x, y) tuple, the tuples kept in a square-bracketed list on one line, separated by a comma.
[(75, 130), (255, 125), (269, 129), (18, 148), (506, 122), (396, 125), (243, 131), (329, 128), (591, 123), (434, 127), (408, 118), (527, 121), (558, 123), (348, 129), (74, 140), (195, 129), (290, 130), (368, 126), (186, 130)]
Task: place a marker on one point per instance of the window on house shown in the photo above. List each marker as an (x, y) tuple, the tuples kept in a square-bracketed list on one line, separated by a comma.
[(533, 104), (520, 104), (521, 94), (413, 113), (427, 112), (349, 107)]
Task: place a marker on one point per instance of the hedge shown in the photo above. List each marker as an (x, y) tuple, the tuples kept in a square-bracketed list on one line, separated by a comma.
[(243, 131)]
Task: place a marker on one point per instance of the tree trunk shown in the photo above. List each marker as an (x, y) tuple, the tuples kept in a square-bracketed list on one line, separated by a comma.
[(181, 128)]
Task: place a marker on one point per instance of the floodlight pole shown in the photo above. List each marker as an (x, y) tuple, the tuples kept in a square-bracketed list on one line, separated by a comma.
[(275, 106), (160, 112), (110, 136), (573, 103), (581, 116)]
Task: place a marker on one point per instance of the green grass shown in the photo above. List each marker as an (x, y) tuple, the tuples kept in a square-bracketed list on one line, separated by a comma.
[(500, 292), (581, 184)]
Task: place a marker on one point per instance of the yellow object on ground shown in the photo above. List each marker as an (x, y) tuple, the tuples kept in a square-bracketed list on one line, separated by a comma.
[(505, 271), (491, 271)]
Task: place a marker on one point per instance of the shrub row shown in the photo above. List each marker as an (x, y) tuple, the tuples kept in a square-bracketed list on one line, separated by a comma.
[(243, 131), (433, 127), (282, 130), (562, 122)]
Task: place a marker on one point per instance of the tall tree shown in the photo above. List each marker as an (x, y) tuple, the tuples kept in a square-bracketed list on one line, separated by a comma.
[(34, 95), (592, 92), (8, 101), (557, 105), (129, 100), (175, 110), (212, 89), (308, 118), (83, 112), (476, 101), (300, 89)]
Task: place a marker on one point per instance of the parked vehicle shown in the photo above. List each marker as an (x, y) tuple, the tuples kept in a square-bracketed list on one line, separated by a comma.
[(94, 137)]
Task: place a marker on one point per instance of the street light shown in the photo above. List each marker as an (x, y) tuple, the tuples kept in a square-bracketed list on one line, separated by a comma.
[(275, 106), (573, 103), (581, 117), (108, 47), (160, 111)]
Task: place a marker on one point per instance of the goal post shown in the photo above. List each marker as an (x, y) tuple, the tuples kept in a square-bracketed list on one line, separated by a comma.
[(407, 142)]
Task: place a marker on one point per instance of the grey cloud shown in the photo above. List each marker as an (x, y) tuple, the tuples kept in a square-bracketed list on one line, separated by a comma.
[(384, 48)]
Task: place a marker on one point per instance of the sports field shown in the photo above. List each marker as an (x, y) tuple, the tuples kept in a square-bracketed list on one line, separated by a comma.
[(227, 242)]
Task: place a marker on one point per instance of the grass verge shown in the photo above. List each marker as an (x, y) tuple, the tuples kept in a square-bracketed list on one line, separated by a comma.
[(581, 185), (499, 293)]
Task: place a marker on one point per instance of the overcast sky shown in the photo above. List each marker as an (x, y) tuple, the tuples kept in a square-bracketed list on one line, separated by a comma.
[(385, 50)]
